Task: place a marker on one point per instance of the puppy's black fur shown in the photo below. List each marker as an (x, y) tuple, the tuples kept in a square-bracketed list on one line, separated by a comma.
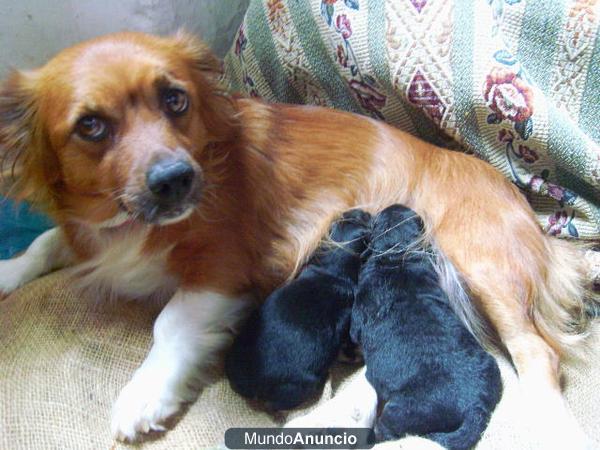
[(431, 374), (284, 352)]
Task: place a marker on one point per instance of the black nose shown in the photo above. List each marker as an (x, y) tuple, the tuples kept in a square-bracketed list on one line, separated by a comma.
[(170, 180)]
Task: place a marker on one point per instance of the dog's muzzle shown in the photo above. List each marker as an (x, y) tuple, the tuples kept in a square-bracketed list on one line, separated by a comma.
[(170, 181), (173, 189)]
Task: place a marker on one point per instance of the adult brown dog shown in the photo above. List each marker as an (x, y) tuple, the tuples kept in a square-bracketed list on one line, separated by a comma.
[(164, 186)]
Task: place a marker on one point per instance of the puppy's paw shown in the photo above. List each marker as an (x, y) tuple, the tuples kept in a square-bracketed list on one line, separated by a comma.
[(143, 407)]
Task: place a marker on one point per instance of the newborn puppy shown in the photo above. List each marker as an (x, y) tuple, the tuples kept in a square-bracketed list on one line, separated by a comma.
[(431, 375), (283, 354)]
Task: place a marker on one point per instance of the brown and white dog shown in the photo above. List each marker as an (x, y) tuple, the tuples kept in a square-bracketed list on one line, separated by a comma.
[(163, 185)]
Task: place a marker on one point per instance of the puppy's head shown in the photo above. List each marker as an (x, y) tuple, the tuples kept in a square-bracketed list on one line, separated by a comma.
[(396, 228), (117, 128), (351, 229)]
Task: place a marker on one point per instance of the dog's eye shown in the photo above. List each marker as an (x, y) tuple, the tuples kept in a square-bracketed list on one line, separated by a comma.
[(175, 101), (92, 128)]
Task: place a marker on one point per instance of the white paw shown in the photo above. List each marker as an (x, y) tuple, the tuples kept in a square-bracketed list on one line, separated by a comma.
[(142, 407), (550, 420), (12, 275), (188, 334), (354, 407), (45, 253), (561, 434), (409, 443), (334, 416)]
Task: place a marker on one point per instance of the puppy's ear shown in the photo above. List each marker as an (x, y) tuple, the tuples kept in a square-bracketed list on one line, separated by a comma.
[(24, 174), (217, 111)]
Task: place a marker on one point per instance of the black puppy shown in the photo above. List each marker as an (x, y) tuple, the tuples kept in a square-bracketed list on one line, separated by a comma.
[(284, 352), (432, 376)]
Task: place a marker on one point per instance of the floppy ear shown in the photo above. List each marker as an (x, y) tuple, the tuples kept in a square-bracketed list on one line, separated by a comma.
[(200, 56), (25, 175), (217, 111)]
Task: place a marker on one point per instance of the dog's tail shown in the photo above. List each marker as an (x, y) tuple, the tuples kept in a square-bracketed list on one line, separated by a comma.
[(561, 300), (564, 302)]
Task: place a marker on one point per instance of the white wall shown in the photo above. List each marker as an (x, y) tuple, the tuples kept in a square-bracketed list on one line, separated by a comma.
[(31, 31)]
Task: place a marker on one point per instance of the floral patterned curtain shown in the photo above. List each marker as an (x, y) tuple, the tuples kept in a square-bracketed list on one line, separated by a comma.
[(515, 82)]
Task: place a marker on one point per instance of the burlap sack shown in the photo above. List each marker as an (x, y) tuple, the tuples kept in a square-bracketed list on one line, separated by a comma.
[(63, 361)]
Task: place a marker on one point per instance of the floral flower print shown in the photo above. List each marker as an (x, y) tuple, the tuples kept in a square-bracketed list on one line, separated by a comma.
[(369, 98), (342, 56), (342, 26), (556, 222), (529, 156), (508, 95), (506, 136), (240, 43)]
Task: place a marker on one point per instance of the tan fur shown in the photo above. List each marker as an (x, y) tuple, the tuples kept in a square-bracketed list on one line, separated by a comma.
[(276, 175)]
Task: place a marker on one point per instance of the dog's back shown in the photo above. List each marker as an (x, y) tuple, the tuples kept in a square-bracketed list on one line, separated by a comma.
[(435, 378), (285, 350)]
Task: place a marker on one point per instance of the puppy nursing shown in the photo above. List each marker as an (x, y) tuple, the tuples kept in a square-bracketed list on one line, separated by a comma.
[(431, 376), (283, 354)]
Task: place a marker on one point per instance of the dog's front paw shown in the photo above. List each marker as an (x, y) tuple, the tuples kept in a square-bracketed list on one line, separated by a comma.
[(336, 415), (409, 443), (354, 407), (12, 276), (142, 407)]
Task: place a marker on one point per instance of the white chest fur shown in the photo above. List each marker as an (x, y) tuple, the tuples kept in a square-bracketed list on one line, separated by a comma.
[(123, 269)]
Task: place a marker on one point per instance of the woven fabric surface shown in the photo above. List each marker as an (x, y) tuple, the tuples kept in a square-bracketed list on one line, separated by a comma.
[(64, 359), (516, 82)]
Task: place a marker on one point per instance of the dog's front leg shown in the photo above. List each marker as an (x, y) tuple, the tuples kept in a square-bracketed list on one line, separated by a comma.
[(188, 333), (47, 252)]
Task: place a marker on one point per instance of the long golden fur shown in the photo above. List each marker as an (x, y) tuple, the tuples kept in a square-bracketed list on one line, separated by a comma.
[(274, 177)]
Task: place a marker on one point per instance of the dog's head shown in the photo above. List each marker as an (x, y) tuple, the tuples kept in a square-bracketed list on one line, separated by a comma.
[(119, 124)]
